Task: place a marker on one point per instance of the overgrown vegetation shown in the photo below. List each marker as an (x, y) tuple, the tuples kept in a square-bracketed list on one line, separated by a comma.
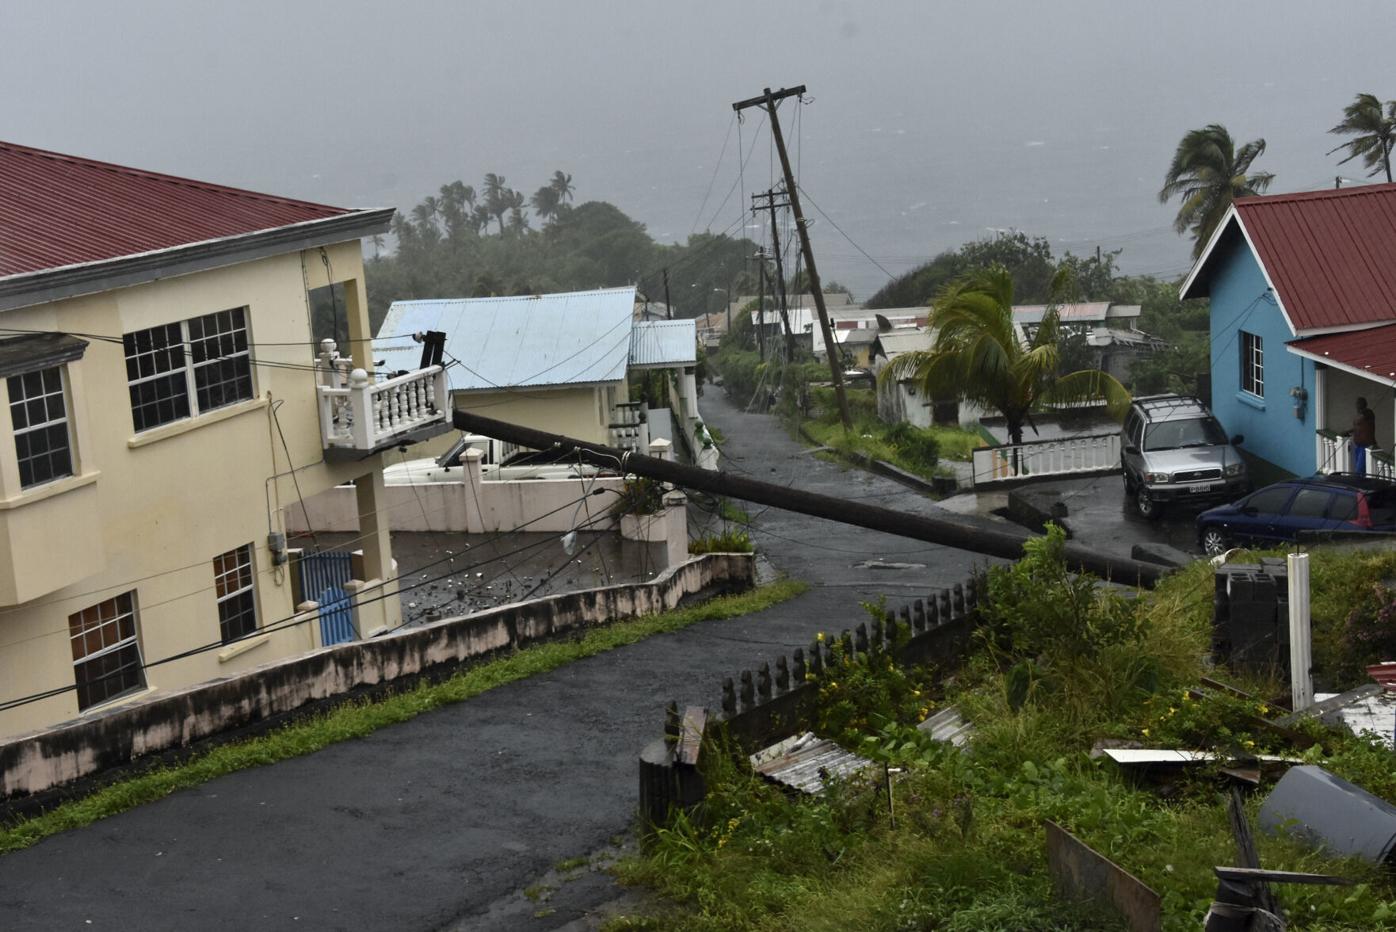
[(918, 450), (357, 719), (640, 495), (1061, 662), (728, 541)]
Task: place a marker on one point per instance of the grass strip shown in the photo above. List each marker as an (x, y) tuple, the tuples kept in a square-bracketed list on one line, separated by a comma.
[(357, 719)]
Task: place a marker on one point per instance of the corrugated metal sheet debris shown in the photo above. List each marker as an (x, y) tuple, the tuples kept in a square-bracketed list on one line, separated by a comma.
[(807, 763)]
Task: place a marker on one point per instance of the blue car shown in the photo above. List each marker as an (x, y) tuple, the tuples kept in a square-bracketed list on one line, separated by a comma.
[(1278, 513)]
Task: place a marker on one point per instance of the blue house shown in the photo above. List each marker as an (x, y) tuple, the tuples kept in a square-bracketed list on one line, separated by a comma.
[(1303, 323)]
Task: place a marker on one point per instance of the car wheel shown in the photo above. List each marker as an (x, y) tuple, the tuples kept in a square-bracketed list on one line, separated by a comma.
[(1215, 542), (1145, 503)]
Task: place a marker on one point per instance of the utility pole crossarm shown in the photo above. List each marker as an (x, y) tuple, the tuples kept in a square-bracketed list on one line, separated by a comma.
[(769, 97)]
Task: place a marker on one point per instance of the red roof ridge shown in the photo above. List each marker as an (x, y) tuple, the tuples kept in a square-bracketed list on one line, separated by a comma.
[(176, 180), (1319, 195)]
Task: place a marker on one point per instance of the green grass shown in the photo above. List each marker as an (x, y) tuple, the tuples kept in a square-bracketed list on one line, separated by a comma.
[(358, 719)]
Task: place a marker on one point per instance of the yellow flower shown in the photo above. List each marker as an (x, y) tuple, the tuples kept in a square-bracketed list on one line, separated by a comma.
[(1144, 731), (1264, 710), (1171, 710), (833, 685), (1249, 744), (819, 636)]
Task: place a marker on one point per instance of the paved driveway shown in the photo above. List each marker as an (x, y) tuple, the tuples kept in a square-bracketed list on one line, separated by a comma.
[(446, 820)]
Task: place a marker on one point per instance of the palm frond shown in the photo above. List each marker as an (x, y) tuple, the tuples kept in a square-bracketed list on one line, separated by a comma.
[(1089, 385)]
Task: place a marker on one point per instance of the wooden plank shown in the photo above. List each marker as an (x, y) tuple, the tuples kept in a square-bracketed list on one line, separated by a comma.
[(1079, 872), (695, 721)]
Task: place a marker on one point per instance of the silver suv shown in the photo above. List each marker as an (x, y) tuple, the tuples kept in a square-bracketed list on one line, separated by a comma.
[(1173, 449)]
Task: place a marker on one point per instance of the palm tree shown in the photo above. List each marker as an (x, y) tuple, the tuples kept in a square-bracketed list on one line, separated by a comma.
[(1207, 174), (377, 241), (514, 202), (980, 356), (562, 185), (545, 202), (496, 198), (1374, 131)]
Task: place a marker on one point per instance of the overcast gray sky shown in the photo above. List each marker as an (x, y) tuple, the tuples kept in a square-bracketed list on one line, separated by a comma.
[(931, 123)]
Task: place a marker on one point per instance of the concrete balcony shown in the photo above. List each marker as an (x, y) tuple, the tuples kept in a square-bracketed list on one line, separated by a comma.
[(359, 416)]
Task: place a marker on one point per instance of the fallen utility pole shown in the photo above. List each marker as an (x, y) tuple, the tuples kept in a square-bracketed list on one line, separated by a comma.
[(769, 99), (962, 532)]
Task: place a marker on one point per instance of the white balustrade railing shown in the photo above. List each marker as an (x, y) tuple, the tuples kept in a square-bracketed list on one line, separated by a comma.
[(357, 413), (1335, 453), (1068, 456)]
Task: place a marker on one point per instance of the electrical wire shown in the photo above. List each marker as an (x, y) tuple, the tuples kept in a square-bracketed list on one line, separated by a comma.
[(716, 166), (292, 621)]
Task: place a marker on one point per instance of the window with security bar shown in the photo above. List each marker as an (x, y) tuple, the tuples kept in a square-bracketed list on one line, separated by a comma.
[(39, 414), (1252, 364), (181, 370), (234, 584), (106, 650)]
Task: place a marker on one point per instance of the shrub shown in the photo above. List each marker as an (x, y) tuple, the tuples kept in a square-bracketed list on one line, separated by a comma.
[(726, 542), (639, 496)]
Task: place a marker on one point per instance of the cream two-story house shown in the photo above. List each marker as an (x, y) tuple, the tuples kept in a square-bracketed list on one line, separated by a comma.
[(162, 399)]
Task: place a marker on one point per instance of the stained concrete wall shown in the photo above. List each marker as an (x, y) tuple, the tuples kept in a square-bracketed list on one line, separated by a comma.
[(38, 762)]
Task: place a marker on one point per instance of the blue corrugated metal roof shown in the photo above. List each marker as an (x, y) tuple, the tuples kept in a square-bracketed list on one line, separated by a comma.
[(664, 343), (552, 339)]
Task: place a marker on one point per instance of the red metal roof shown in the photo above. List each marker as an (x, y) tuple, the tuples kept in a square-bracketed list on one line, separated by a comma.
[(59, 210), (1331, 255), (1371, 351)]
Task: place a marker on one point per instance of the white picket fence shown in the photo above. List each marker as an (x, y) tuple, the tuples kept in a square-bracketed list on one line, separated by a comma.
[(1069, 456)]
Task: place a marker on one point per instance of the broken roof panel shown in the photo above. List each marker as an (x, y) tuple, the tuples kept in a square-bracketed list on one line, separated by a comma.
[(571, 338)]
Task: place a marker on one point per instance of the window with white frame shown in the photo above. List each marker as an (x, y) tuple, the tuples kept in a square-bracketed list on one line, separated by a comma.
[(39, 416), (184, 369), (106, 650), (1252, 364), (237, 598)]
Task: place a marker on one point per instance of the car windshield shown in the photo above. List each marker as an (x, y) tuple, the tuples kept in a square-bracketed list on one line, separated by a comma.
[(1174, 435)]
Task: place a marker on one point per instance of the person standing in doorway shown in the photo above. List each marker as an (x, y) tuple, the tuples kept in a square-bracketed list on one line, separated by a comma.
[(1363, 434)]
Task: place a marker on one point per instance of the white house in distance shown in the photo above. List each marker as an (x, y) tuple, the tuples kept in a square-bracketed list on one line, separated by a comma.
[(555, 362)]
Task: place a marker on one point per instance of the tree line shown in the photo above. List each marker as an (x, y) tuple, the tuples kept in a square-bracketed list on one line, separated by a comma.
[(492, 240)]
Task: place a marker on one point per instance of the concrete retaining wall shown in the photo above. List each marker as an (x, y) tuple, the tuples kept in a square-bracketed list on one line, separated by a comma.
[(39, 762)]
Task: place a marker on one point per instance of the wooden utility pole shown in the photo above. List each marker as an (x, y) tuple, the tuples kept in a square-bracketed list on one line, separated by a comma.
[(668, 305), (769, 99), (771, 205), (761, 304), (964, 532)]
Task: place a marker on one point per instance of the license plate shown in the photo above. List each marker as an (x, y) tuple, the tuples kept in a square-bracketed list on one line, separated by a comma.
[(1205, 487)]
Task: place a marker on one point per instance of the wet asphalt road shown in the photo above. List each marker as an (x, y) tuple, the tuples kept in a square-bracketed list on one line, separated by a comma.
[(452, 820)]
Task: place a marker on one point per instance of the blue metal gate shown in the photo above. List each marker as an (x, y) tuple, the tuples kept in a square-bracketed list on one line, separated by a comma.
[(323, 576)]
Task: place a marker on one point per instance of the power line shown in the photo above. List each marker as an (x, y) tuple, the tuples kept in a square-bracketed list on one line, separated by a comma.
[(292, 621), (716, 165), (816, 206)]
